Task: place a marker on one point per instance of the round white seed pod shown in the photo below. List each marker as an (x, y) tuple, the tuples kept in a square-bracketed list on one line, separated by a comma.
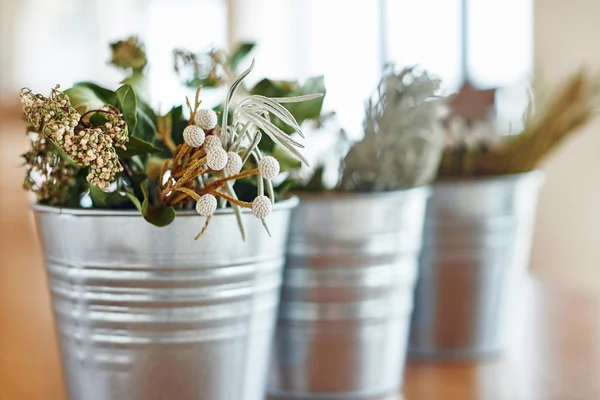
[(193, 136), (261, 206), (234, 164), (206, 205), (206, 119), (216, 158), (212, 141), (268, 167)]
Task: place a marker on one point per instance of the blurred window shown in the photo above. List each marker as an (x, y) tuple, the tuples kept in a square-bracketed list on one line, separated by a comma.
[(64, 41), (350, 41)]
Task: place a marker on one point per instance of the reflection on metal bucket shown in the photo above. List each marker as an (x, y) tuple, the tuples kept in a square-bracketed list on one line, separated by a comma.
[(347, 296), (147, 313), (476, 244)]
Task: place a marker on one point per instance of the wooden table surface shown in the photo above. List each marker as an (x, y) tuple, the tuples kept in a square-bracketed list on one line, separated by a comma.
[(553, 356)]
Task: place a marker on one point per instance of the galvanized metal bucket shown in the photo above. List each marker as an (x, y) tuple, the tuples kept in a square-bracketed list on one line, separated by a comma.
[(147, 313), (476, 245), (347, 296)]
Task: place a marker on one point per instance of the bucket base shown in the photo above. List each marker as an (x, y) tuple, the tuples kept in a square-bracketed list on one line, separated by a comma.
[(454, 355), (334, 396)]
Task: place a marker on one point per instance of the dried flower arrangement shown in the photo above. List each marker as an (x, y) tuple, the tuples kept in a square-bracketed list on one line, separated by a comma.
[(217, 68), (403, 137), (114, 149), (478, 151)]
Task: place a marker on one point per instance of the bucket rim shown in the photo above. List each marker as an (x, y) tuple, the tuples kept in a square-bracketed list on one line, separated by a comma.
[(281, 205), (536, 174), (334, 195)]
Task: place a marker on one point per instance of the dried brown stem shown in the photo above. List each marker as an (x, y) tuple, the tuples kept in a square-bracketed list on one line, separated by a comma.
[(193, 171), (188, 192), (230, 199), (245, 174), (183, 150), (204, 227)]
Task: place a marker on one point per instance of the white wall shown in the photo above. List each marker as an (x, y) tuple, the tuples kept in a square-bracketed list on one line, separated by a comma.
[(567, 240)]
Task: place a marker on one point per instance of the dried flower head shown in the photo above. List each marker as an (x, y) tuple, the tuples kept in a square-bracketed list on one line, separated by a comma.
[(206, 119), (212, 141), (193, 136), (268, 167), (216, 158), (206, 205), (262, 207), (234, 164)]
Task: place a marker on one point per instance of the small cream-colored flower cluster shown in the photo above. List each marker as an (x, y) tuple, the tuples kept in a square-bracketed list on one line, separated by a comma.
[(56, 111), (47, 175), (115, 127), (91, 147), (87, 146)]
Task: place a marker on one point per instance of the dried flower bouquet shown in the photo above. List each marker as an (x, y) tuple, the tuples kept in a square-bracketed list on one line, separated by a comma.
[(110, 147), (555, 117), (403, 137)]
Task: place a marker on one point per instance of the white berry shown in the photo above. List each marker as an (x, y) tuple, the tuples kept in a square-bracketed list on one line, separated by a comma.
[(206, 119), (206, 205), (216, 158), (212, 141), (268, 167), (234, 164), (261, 207), (193, 136)]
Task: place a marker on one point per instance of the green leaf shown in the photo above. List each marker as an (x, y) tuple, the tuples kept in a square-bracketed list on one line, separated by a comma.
[(97, 119), (302, 111), (284, 187), (154, 166), (83, 99), (105, 95), (308, 109), (240, 53), (146, 128), (270, 88), (102, 199), (145, 107), (208, 82), (128, 104), (135, 147), (286, 162), (177, 113), (139, 82), (134, 200), (245, 188), (158, 216), (178, 124), (76, 190)]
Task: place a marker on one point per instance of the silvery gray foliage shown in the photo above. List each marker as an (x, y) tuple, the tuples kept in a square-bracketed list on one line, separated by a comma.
[(251, 116), (404, 136)]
